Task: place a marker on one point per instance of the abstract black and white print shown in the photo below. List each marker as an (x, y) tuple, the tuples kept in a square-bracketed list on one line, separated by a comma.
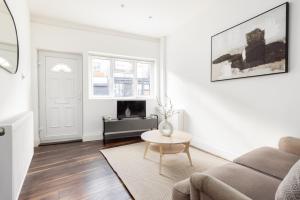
[(253, 48)]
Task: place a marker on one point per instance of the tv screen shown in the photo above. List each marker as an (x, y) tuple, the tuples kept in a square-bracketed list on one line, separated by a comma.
[(131, 109)]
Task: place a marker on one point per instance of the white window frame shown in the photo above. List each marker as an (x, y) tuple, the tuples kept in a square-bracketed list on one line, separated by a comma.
[(113, 58)]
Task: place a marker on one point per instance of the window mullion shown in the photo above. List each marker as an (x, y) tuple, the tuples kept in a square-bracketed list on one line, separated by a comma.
[(112, 82), (91, 72), (135, 94)]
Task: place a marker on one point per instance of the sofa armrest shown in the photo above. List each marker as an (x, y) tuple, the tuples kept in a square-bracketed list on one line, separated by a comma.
[(213, 188), (290, 145), (181, 190)]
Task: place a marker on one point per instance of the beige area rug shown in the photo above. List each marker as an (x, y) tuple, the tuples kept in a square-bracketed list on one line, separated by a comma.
[(141, 176)]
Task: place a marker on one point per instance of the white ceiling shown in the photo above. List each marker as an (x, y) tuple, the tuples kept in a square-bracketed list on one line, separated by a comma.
[(167, 15)]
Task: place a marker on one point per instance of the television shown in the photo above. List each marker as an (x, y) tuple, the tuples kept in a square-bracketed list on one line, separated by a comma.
[(131, 109)]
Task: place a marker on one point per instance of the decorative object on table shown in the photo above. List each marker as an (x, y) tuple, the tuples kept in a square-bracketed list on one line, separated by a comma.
[(127, 112), (258, 46), (107, 117), (9, 46), (166, 111), (153, 116)]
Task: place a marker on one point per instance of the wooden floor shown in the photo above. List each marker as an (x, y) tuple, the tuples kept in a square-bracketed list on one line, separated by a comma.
[(73, 171)]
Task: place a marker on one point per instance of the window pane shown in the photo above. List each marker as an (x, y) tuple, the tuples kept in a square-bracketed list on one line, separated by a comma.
[(101, 73), (143, 76), (123, 87), (143, 87), (123, 69), (143, 70), (123, 78)]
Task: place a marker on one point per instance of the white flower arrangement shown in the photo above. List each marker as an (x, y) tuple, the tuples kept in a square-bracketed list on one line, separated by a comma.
[(165, 110)]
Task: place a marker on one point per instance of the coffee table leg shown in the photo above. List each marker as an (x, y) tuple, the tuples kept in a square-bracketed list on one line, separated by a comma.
[(187, 151), (161, 155), (146, 149)]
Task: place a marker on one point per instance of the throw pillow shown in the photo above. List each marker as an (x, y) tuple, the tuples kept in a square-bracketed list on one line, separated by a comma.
[(289, 188)]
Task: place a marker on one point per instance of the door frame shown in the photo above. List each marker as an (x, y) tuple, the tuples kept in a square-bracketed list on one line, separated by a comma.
[(41, 73)]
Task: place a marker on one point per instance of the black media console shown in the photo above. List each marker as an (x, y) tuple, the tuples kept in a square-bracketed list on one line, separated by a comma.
[(127, 127)]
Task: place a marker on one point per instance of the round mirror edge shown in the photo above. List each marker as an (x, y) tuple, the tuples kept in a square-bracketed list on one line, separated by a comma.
[(17, 39)]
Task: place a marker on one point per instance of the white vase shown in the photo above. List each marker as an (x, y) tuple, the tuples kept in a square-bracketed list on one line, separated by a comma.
[(127, 112), (165, 128)]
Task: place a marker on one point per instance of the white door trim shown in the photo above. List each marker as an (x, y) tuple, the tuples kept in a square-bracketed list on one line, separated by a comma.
[(42, 95)]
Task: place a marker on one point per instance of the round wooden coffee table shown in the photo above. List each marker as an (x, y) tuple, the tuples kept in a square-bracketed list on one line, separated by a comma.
[(177, 143)]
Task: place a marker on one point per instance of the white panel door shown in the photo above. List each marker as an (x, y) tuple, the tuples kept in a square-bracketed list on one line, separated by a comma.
[(60, 92)]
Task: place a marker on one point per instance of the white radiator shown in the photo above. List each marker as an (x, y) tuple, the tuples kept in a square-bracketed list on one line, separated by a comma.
[(177, 120), (16, 151)]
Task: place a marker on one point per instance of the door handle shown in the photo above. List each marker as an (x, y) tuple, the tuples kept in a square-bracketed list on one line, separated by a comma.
[(2, 131)]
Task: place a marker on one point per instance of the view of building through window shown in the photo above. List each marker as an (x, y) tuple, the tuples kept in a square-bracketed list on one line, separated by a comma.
[(116, 77), (143, 79), (123, 78), (101, 73)]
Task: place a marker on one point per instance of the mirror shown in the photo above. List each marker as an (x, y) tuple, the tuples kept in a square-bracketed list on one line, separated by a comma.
[(9, 48)]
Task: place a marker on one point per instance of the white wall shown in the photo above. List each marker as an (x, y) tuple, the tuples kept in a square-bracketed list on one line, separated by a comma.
[(79, 39), (232, 117), (15, 91), (15, 98)]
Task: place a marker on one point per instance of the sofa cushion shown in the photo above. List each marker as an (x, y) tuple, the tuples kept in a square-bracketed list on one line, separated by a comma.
[(289, 188), (214, 188), (269, 161), (252, 183), (181, 190), (205, 197), (290, 145)]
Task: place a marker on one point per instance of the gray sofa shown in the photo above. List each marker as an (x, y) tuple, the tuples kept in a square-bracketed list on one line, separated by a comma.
[(255, 175)]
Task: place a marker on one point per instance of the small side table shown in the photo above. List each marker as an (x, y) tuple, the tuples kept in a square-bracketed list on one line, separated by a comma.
[(177, 143)]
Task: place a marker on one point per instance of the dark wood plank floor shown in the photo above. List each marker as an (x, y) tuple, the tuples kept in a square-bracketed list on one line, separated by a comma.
[(73, 171)]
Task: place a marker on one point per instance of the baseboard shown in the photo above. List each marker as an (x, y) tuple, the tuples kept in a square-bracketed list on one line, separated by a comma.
[(210, 148), (37, 143), (87, 138)]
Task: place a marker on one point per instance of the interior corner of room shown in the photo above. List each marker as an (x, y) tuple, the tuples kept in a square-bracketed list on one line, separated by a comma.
[(174, 87)]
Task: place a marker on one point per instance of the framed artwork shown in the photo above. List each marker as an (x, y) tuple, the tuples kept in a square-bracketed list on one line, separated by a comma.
[(256, 47)]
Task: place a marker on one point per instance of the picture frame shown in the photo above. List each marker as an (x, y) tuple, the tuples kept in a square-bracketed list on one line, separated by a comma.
[(255, 47)]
